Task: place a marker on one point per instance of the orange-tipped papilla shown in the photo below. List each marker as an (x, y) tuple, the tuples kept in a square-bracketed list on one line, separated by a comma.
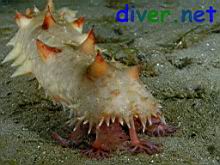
[(29, 12), (49, 21), (22, 20), (50, 5), (46, 51), (88, 46), (98, 68), (78, 24), (134, 72)]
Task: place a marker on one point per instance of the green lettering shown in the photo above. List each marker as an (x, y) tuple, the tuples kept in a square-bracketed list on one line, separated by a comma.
[(153, 16), (163, 14)]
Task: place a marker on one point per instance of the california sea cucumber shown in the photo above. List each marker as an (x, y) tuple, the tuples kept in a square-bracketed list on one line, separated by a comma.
[(107, 99)]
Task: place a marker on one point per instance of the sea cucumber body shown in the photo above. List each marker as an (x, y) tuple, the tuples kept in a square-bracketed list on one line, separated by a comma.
[(114, 95), (97, 92)]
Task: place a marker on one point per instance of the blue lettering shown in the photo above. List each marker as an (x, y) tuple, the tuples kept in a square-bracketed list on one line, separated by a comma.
[(197, 16), (132, 13), (185, 13), (211, 12), (123, 13), (141, 17)]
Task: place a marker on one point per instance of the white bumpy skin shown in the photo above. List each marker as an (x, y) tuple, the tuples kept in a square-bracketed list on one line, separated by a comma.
[(74, 73)]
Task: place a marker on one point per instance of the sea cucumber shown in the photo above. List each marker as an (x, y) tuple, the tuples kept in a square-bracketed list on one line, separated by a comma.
[(108, 102)]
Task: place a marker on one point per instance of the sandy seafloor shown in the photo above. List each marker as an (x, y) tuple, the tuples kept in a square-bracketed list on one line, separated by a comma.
[(181, 69)]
